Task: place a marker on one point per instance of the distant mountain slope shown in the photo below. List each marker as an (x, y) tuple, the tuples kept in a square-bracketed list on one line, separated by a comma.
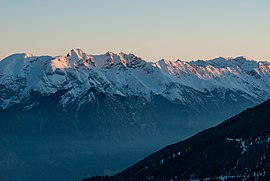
[(239, 148)]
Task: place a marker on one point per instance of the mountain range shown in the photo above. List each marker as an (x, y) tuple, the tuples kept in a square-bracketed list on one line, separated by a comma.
[(127, 75), (190, 90), (82, 105)]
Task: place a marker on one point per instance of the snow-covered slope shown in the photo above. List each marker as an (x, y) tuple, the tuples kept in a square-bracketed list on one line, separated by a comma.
[(126, 74)]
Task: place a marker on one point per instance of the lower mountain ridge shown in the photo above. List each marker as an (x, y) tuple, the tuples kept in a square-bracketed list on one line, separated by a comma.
[(237, 149)]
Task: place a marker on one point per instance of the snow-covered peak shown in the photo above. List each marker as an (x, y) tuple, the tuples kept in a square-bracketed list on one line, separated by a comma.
[(76, 55), (242, 62), (116, 59), (16, 65), (241, 58), (163, 62), (17, 57), (221, 59)]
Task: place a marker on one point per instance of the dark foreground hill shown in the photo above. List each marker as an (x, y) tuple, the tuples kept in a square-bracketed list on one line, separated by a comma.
[(237, 149)]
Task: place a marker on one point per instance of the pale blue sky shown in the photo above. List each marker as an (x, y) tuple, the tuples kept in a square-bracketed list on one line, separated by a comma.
[(152, 29)]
